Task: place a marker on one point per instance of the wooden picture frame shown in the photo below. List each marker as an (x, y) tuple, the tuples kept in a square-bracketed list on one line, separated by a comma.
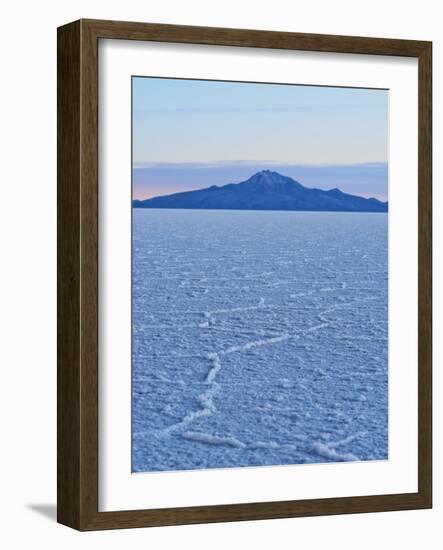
[(78, 274)]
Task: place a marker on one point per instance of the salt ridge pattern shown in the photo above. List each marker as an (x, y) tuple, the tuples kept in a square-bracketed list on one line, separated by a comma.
[(259, 338)]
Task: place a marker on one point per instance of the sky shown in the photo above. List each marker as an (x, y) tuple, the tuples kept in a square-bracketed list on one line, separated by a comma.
[(190, 134)]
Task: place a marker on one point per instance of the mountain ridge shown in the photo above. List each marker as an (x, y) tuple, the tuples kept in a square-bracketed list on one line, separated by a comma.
[(265, 190)]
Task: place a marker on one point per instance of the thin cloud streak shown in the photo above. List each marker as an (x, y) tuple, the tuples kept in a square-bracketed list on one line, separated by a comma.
[(184, 120), (241, 110)]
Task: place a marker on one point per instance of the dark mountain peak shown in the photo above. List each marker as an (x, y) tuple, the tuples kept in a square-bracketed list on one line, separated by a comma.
[(266, 190), (268, 174), (270, 178)]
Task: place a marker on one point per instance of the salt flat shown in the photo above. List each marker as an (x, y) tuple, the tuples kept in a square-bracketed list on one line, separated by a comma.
[(259, 338)]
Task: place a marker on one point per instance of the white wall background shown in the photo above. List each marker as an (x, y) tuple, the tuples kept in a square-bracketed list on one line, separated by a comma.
[(28, 271)]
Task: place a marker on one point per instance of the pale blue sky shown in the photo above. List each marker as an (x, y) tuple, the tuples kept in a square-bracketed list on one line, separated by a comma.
[(229, 128)]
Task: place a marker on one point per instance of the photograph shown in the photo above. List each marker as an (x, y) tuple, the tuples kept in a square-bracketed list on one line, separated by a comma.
[(244, 275), (259, 274)]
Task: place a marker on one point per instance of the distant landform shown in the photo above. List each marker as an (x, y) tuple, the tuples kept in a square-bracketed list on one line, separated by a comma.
[(265, 190)]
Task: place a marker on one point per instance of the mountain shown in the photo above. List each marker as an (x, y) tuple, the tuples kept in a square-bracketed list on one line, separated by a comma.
[(265, 190)]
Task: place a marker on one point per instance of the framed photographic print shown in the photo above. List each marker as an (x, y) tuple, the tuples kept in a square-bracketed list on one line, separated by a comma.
[(244, 275)]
